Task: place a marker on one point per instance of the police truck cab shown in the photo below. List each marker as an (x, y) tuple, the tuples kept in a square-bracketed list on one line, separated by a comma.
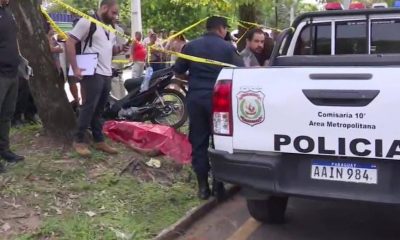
[(321, 121)]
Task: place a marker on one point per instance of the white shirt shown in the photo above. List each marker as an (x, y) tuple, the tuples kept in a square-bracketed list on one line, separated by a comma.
[(146, 41), (101, 44)]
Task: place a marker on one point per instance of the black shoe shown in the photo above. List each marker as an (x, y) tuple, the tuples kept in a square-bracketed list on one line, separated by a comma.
[(218, 190), (2, 169), (204, 189), (11, 157)]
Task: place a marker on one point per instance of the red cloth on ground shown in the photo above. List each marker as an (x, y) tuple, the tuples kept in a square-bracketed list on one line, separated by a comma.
[(151, 137)]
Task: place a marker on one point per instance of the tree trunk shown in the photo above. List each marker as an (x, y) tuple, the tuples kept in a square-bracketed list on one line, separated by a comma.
[(247, 12), (47, 90), (276, 6)]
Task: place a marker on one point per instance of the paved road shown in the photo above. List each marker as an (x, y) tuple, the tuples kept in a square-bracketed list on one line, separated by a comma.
[(306, 220)]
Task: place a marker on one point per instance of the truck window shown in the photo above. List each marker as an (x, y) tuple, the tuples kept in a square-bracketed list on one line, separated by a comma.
[(321, 36), (351, 37), (385, 36)]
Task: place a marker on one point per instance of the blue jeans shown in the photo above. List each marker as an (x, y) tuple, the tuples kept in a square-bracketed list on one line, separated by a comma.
[(157, 66)]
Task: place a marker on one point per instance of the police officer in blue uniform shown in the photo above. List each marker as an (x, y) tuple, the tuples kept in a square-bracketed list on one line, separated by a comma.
[(202, 78)]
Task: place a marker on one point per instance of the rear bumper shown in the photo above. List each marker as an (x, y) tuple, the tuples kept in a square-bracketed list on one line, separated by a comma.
[(289, 174)]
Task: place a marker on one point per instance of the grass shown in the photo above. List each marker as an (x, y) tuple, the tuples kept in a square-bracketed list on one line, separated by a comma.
[(88, 199)]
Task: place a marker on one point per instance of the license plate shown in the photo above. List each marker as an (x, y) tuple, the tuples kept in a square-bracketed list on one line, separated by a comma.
[(344, 172)]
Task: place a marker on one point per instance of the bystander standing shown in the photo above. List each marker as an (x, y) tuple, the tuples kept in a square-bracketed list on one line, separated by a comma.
[(9, 61), (146, 40), (95, 89), (176, 45), (163, 37), (138, 56), (156, 56)]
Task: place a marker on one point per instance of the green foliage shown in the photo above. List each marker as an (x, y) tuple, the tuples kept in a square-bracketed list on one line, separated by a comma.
[(306, 7), (177, 14), (85, 5), (197, 9), (162, 14)]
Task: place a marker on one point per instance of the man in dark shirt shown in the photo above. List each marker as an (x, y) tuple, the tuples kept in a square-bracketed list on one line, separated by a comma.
[(9, 61), (202, 78)]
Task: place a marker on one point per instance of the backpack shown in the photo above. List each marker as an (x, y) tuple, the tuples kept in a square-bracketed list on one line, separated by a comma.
[(88, 40)]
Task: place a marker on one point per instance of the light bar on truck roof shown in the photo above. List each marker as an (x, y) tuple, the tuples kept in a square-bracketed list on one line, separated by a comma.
[(333, 6), (380, 5), (357, 5)]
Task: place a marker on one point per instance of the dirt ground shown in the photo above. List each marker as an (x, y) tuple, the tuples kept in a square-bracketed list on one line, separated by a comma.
[(55, 194)]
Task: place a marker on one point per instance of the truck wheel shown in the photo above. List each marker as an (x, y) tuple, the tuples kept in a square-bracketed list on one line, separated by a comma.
[(271, 210)]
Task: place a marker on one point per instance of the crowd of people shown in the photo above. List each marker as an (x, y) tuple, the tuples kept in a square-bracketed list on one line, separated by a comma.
[(216, 44), (257, 51)]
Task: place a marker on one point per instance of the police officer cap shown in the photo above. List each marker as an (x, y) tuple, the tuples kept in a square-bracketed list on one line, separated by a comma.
[(215, 22)]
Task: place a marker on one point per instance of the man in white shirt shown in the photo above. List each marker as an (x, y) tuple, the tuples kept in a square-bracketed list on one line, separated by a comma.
[(146, 40), (95, 89)]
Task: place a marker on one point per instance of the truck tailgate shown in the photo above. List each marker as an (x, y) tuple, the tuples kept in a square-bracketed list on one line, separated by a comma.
[(324, 111)]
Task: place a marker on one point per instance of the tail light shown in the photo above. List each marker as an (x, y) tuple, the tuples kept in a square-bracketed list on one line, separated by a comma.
[(222, 108)]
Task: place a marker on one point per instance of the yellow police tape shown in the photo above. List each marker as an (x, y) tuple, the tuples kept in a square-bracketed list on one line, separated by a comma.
[(180, 55), (259, 25), (188, 57), (126, 61), (185, 30), (243, 36), (193, 58), (92, 19), (250, 23), (121, 61), (53, 24), (148, 54)]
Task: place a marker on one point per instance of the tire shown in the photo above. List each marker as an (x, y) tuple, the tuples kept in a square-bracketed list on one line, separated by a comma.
[(271, 210), (183, 116)]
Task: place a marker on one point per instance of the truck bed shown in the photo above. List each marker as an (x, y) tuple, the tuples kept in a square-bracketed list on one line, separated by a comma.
[(339, 60)]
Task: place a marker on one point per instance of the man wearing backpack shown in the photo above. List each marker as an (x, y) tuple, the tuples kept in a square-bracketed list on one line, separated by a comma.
[(95, 89)]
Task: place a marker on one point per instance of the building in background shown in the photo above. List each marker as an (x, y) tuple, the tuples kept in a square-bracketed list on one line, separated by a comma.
[(63, 20)]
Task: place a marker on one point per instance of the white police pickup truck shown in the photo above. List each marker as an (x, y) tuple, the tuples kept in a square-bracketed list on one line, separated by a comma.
[(322, 121)]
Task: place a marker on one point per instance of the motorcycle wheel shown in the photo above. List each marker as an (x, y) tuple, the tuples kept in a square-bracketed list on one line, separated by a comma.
[(174, 112)]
